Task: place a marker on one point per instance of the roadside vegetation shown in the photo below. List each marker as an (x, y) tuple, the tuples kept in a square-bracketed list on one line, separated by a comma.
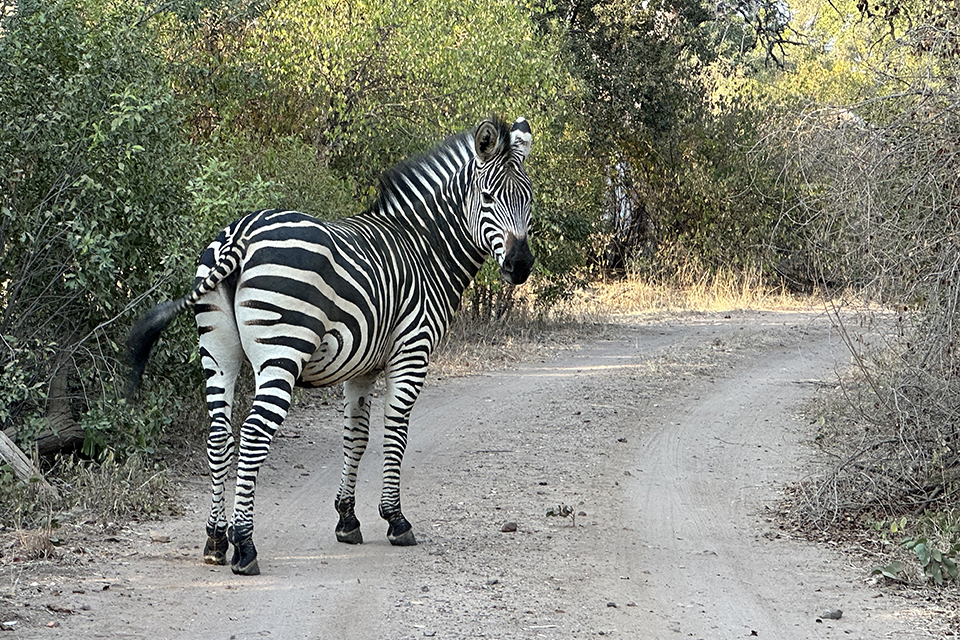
[(737, 154)]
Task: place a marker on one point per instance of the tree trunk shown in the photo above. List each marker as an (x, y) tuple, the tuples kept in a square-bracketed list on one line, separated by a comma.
[(60, 431)]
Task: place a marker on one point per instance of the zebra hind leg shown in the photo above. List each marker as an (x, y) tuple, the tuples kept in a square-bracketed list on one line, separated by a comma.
[(356, 433), (274, 389), (220, 445), (221, 364)]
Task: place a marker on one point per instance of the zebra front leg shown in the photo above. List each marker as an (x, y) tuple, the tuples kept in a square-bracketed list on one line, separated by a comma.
[(356, 434), (403, 387)]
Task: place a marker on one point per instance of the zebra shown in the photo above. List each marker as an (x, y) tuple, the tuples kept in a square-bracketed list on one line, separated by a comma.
[(311, 303)]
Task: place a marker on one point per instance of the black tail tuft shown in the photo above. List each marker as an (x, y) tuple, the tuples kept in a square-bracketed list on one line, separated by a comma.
[(144, 334)]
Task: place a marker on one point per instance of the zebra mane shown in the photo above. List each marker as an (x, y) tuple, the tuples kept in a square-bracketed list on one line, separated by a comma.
[(443, 160)]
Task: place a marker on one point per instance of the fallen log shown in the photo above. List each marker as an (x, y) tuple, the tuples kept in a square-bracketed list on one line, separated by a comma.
[(60, 433), (22, 466)]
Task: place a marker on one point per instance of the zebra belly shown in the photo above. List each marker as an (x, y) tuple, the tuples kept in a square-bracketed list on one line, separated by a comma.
[(325, 368), (307, 296)]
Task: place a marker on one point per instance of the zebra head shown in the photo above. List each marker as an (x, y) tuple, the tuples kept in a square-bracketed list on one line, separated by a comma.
[(501, 195)]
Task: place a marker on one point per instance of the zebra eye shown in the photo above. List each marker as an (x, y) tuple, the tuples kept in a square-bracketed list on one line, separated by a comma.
[(487, 198)]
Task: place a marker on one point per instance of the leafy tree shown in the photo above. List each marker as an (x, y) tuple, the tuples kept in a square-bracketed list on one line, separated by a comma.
[(752, 24), (668, 134), (639, 64), (364, 82)]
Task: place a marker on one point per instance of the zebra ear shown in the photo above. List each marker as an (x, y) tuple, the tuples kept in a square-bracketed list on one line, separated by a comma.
[(521, 138), (487, 141)]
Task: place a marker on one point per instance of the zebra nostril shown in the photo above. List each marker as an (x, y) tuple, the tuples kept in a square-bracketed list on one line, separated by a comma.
[(517, 263)]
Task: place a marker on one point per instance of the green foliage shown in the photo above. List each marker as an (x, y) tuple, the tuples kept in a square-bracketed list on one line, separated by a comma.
[(91, 211), (757, 24), (672, 135), (19, 387), (310, 87), (639, 64), (114, 429), (236, 176), (365, 83), (891, 570), (217, 192), (938, 565), (714, 201), (569, 199), (935, 544)]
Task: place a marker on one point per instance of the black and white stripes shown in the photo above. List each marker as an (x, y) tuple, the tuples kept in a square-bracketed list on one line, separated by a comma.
[(315, 304)]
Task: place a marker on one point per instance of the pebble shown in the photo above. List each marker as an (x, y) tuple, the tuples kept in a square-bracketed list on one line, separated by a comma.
[(508, 527)]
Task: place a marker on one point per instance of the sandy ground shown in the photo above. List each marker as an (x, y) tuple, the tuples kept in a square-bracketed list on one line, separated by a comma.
[(668, 438)]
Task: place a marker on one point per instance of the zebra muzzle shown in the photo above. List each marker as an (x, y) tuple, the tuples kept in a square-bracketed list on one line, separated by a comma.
[(517, 260)]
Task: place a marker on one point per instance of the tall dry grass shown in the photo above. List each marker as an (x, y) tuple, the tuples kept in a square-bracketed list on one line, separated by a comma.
[(133, 489), (688, 291)]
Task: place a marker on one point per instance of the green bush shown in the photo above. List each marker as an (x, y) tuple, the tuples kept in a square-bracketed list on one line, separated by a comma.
[(92, 206)]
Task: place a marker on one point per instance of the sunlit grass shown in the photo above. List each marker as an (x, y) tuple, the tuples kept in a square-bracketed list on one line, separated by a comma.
[(725, 291)]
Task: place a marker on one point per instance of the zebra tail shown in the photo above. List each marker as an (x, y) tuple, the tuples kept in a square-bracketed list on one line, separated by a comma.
[(144, 335), (147, 330)]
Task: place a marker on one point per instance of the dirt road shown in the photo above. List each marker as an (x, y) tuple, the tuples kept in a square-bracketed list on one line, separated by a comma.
[(668, 438)]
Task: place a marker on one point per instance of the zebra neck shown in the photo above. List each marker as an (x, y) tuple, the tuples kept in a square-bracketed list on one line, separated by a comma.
[(427, 216)]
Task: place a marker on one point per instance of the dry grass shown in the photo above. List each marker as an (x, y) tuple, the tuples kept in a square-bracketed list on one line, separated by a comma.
[(119, 491), (473, 345), (107, 491), (721, 292), (36, 544), (888, 432)]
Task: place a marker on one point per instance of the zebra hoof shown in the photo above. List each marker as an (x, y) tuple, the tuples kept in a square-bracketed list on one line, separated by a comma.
[(350, 537), (244, 561), (348, 527), (252, 568), (215, 551), (400, 533)]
